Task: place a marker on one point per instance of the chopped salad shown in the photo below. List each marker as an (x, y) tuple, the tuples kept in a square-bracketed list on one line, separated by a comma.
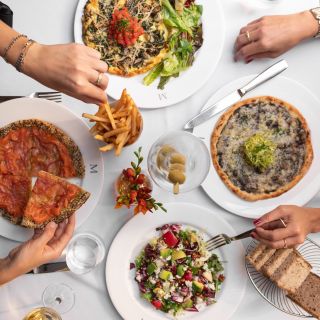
[(176, 273)]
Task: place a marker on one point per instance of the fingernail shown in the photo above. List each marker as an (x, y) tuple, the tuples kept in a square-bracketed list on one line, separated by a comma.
[(52, 224), (248, 61), (257, 222)]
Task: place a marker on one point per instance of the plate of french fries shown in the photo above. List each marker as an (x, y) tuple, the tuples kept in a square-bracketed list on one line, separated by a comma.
[(117, 125)]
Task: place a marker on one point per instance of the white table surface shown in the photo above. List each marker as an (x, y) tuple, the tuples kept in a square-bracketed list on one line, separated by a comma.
[(51, 22)]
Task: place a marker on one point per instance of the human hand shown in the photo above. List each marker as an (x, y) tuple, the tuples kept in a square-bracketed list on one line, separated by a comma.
[(299, 223), (271, 36), (44, 246), (70, 68)]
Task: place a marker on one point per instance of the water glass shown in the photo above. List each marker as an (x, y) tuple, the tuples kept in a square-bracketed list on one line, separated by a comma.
[(84, 252)]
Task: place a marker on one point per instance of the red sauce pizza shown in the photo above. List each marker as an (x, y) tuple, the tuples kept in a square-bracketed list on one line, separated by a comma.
[(52, 199), (30, 148)]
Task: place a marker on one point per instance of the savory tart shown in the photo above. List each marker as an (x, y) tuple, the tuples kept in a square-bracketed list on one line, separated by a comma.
[(129, 34), (261, 147), (52, 199), (14, 195), (28, 146)]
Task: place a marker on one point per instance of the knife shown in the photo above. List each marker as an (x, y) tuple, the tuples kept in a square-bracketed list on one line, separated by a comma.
[(50, 267), (235, 96)]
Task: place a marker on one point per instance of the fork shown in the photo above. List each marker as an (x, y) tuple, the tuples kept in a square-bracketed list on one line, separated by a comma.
[(51, 95), (222, 239)]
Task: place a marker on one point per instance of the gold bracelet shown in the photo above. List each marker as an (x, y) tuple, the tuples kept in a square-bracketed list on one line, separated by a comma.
[(19, 63), (13, 41)]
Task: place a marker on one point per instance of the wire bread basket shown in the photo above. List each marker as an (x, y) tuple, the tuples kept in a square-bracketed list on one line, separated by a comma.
[(271, 293)]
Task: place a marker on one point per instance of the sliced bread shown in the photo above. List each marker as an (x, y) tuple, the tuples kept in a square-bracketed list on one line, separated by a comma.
[(260, 255), (292, 272), (308, 295), (275, 261)]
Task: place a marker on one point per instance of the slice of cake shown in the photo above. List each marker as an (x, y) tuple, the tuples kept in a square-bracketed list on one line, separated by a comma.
[(52, 199)]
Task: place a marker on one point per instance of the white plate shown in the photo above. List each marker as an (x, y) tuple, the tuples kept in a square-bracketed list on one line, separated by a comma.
[(294, 93), (59, 115), (133, 237), (189, 81)]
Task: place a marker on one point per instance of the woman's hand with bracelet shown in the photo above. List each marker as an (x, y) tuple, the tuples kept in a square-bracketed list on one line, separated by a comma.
[(297, 223), (73, 69), (271, 36)]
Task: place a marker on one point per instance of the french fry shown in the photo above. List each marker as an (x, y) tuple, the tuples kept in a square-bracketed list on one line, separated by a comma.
[(94, 118), (109, 113), (118, 125), (107, 147), (115, 132)]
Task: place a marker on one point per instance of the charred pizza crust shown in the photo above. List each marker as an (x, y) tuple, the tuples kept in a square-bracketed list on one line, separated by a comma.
[(74, 204), (303, 141), (146, 53), (73, 149)]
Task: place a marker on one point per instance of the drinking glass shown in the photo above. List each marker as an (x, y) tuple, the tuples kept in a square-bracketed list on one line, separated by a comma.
[(42, 314), (84, 252), (197, 160)]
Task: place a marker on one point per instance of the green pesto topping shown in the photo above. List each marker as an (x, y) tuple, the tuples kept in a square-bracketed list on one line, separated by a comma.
[(259, 151)]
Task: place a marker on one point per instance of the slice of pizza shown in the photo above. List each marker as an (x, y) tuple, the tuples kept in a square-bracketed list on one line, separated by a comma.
[(14, 195), (28, 146), (52, 199)]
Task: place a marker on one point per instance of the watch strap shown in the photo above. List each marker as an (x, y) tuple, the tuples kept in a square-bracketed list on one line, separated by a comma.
[(316, 13)]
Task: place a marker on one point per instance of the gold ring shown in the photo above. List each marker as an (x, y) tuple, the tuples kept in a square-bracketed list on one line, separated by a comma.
[(283, 223), (99, 79), (285, 246), (248, 36)]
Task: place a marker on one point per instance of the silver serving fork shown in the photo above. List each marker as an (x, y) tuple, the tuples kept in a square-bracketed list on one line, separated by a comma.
[(222, 239), (51, 95)]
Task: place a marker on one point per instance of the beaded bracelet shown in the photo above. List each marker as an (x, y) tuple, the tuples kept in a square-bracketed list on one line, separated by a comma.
[(13, 41), (19, 63)]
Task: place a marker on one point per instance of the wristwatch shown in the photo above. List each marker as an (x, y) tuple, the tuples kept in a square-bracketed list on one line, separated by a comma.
[(316, 13)]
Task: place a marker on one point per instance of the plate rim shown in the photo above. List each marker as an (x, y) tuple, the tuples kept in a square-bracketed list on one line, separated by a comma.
[(206, 210), (212, 171), (77, 34), (99, 182)]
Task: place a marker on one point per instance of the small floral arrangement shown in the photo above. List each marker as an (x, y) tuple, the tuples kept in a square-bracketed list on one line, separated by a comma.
[(134, 189)]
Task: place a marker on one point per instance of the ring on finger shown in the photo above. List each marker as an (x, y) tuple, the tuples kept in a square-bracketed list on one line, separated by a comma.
[(248, 36), (285, 246), (283, 223), (98, 81)]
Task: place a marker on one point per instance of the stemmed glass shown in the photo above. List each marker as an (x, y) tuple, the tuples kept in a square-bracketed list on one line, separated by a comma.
[(84, 252)]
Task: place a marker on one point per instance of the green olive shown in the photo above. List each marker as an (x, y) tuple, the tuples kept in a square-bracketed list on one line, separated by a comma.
[(177, 166), (166, 150), (178, 158), (161, 160), (176, 176)]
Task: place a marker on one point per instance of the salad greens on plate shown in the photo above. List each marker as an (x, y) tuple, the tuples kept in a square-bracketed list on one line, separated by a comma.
[(182, 18), (175, 272)]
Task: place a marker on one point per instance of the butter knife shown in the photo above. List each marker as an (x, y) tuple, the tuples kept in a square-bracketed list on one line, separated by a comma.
[(236, 95), (50, 267)]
